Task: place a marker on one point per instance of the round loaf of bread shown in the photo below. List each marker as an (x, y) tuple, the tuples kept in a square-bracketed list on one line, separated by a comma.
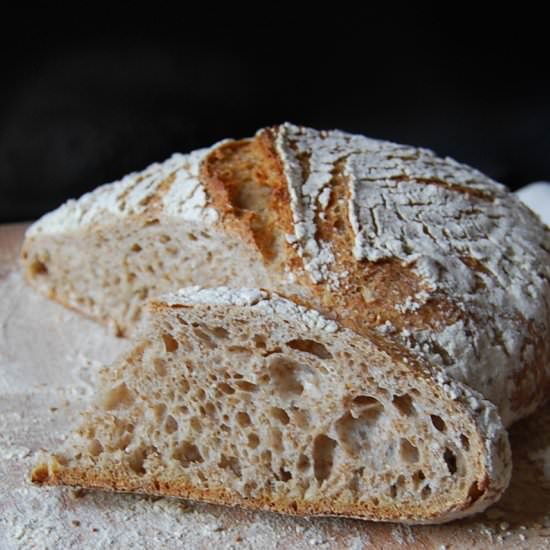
[(386, 239)]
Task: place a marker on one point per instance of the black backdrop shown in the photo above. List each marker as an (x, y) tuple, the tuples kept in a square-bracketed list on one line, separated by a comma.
[(83, 105)]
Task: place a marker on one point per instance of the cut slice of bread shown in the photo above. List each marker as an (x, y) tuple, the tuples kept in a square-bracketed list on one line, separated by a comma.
[(244, 397)]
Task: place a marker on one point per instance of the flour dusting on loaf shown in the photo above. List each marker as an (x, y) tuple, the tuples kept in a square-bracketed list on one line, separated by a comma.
[(464, 235), (184, 197)]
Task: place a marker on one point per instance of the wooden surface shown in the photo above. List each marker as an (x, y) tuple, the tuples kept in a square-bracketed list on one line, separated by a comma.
[(48, 359)]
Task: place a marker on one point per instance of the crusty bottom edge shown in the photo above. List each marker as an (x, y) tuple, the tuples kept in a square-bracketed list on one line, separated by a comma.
[(89, 479)]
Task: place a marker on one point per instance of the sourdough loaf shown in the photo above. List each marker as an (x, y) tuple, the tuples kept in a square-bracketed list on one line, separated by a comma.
[(430, 253), (244, 397)]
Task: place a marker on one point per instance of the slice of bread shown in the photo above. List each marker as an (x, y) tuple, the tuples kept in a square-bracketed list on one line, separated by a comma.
[(244, 397)]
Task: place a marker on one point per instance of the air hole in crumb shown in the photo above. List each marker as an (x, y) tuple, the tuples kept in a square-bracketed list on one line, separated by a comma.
[(465, 442), (38, 268), (200, 394), (170, 424), (136, 460), (187, 453), (160, 366), (365, 401), (408, 452), (253, 441), (280, 415), (243, 419), (303, 463), (95, 448), (283, 376), (170, 343), (417, 478), (164, 238), (266, 457), (310, 346), (438, 422), (353, 433), (136, 248), (239, 349), (244, 385), (276, 440), (195, 424), (207, 341), (219, 332), (230, 463), (210, 409), (159, 410), (284, 475), (259, 341), (191, 237), (426, 492), (393, 490), (323, 456), (450, 459), (368, 407), (120, 396), (475, 491), (123, 442), (226, 388), (184, 385), (403, 403), (300, 417)]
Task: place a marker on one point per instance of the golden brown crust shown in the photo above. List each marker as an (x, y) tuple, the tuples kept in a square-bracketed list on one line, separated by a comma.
[(117, 479), (245, 188)]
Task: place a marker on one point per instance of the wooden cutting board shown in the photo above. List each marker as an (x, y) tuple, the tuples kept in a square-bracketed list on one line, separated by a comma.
[(48, 359)]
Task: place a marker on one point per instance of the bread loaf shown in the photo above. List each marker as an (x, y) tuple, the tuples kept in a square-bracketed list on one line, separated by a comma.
[(431, 254), (376, 316), (244, 397)]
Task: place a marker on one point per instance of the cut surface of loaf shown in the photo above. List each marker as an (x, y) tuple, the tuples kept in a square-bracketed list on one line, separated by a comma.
[(244, 397), (430, 253), (153, 231)]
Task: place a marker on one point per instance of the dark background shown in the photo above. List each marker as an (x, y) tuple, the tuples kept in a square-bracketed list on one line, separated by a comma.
[(81, 105)]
